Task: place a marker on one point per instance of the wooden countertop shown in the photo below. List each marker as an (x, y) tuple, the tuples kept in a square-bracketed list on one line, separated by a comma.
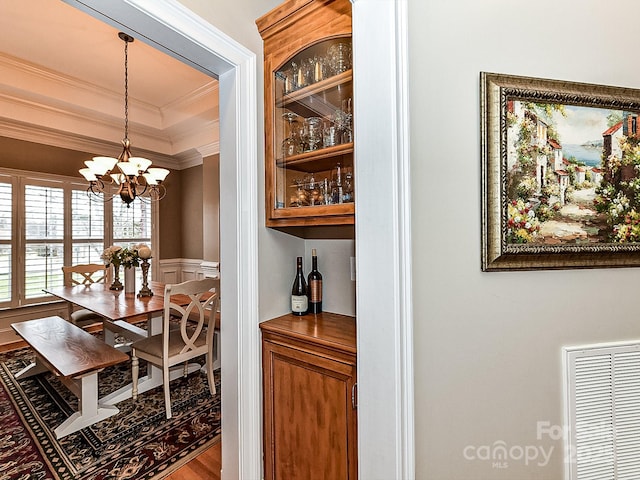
[(328, 329)]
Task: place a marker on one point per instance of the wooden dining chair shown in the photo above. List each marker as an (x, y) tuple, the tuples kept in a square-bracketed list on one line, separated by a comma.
[(84, 274), (193, 338)]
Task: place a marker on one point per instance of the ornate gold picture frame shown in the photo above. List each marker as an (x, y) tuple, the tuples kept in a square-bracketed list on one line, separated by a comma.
[(560, 174)]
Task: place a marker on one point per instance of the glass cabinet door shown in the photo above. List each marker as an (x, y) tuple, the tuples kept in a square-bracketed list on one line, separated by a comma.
[(313, 130)]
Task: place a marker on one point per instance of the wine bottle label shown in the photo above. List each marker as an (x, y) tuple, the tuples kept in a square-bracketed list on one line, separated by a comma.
[(316, 291), (299, 303)]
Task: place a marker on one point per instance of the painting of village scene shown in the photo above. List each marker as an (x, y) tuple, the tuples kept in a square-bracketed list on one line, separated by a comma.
[(573, 175)]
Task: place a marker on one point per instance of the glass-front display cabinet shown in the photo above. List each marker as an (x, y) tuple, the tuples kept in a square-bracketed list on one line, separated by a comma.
[(309, 145)]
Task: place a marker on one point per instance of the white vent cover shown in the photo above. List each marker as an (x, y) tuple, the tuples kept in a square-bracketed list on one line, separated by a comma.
[(602, 386)]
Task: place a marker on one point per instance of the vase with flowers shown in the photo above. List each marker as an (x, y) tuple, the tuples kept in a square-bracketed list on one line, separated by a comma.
[(111, 256)]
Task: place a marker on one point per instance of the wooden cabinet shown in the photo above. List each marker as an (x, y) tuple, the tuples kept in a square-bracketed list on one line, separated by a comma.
[(309, 379), (308, 91)]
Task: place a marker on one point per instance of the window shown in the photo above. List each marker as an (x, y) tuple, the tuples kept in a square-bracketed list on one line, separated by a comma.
[(87, 228), (50, 221), (44, 238), (6, 222), (132, 225)]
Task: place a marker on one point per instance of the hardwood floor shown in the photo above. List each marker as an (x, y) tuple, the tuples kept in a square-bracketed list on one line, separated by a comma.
[(207, 465)]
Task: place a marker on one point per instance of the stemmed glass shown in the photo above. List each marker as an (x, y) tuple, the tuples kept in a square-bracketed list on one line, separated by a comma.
[(313, 133), (291, 144)]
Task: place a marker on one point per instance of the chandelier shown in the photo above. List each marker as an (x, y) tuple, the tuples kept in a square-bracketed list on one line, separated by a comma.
[(126, 176)]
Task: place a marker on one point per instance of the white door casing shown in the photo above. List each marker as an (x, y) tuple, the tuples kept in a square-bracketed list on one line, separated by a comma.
[(383, 260), (385, 335), (177, 31)]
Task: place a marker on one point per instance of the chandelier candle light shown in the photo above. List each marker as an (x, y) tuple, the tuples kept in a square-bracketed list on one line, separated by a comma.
[(133, 177)]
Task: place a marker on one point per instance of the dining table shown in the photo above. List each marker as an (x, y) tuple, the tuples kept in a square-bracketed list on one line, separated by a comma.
[(116, 306)]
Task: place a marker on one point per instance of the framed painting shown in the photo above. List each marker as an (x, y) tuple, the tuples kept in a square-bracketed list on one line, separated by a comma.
[(560, 174)]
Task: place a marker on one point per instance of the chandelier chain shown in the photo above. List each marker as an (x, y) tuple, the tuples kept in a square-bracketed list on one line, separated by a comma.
[(132, 179), (126, 90)]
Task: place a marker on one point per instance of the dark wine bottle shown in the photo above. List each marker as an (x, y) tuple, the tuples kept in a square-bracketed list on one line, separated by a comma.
[(299, 292), (315, 285)]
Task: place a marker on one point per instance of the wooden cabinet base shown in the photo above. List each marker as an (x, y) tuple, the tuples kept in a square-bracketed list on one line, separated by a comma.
[(309, 379)]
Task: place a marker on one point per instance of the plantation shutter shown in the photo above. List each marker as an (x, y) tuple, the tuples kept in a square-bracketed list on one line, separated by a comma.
[(44, 235), (603, 407), (6, 227), (131, 226), (87, 228)]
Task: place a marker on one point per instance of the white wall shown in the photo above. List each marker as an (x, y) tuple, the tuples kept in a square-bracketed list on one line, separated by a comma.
[(277, 251), (487, 345), (338, 290)]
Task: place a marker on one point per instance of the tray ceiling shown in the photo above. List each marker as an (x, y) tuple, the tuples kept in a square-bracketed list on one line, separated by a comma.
[(62, 84)]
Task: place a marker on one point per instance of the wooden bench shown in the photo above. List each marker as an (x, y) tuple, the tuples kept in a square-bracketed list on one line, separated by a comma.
[(76, 357)]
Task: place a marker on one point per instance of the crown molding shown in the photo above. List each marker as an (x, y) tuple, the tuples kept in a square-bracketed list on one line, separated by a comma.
[(195, 157), (189, 159), (63, 89), (210, 149), (43, 106), (57, 138)]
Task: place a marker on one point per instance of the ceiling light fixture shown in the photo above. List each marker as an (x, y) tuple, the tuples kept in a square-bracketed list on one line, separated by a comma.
[(126, 176)]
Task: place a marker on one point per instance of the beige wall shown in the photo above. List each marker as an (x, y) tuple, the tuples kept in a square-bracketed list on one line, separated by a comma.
[(488, 345), (35, 157), (170, 217), (211, 208), (189, 215), (191, 212)]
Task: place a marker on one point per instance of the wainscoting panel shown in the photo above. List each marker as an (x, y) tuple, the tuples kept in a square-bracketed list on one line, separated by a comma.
[(176, 270)]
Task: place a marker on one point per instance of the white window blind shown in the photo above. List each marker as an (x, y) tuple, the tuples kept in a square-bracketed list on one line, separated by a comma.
[(131, 226), (47, 221), (87, 228), (6, 226), (44, 235), (603, 408)]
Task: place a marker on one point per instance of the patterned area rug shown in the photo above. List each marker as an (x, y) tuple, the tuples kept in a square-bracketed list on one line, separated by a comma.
[(137, 443)]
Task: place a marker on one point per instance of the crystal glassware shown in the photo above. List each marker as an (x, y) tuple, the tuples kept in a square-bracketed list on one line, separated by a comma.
[(330, 134), (291, 144), (339, 56), (313, 133)]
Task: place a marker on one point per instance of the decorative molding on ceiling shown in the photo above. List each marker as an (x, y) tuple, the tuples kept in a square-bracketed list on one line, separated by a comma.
[(211, 149), (56, 138), (43, 106)]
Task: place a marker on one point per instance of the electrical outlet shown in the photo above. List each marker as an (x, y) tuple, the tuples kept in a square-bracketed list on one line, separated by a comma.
[(352, 261)]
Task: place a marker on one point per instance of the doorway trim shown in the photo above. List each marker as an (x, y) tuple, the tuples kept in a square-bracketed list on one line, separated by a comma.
[(383, 259), (384, 211), (201, 45)]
